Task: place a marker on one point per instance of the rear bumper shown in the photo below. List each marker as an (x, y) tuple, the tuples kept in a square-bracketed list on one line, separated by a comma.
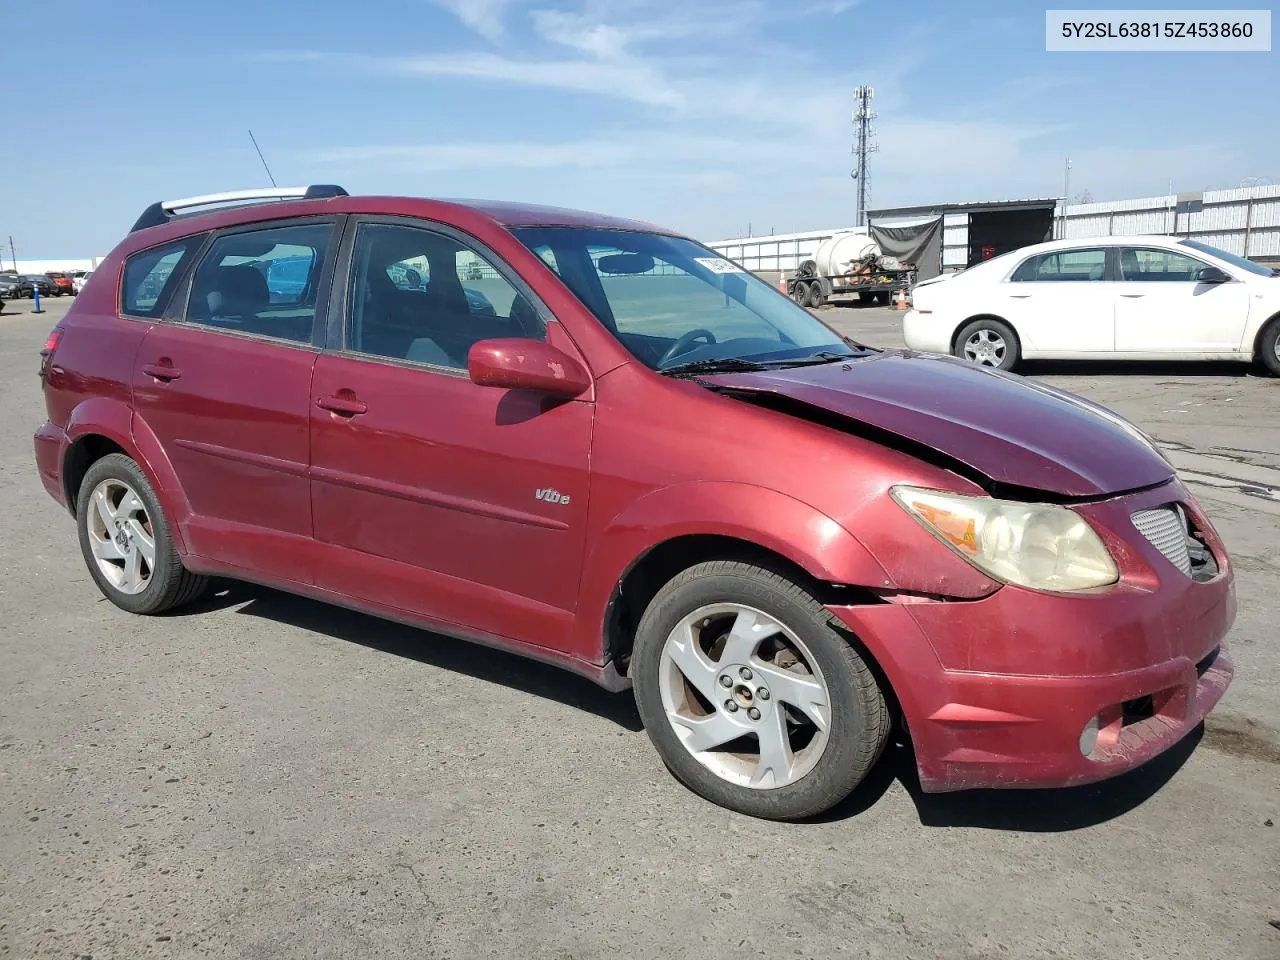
[(51, 447), (926, 332)]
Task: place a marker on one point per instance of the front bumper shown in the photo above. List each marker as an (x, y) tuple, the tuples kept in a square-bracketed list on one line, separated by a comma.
[(997, 692), (974, 730)]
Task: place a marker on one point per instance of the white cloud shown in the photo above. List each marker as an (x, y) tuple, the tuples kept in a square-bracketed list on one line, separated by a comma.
[(717, 120), (605, 66), (485, 17), (600, 40), (829, 8), (710, 185), (513, 155), (623, 79)]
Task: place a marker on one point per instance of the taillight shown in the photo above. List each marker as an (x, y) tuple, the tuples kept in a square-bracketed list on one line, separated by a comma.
[(46, 353)]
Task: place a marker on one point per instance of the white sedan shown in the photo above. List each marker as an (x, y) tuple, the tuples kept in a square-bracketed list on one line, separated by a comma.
[(1116, 298)]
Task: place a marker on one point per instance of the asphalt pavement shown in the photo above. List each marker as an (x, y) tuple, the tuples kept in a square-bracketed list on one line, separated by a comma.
[(266, 776)]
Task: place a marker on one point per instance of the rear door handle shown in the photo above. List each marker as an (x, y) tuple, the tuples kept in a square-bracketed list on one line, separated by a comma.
[(164, 372), (1020, 296), (1133, 296), (343, 406)]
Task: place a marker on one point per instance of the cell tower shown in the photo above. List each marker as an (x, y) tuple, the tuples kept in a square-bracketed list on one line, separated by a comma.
[(863, 145)]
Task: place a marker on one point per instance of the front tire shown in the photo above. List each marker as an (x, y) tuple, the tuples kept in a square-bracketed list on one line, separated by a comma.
[(124, 538), (751, 696), (988, 343)]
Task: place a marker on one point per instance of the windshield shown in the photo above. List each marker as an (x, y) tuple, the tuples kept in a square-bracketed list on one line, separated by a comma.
[(674, 303), (1230, 258)]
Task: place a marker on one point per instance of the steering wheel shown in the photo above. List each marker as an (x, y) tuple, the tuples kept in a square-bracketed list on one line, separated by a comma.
[(684, 343)]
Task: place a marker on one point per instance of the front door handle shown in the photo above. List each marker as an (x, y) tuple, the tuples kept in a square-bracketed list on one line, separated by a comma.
[(164, 371), (1020, 296), (1133, 296), (343, 406)]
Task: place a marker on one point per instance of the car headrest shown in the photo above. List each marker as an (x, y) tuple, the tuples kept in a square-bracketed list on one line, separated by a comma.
[(237, 291)]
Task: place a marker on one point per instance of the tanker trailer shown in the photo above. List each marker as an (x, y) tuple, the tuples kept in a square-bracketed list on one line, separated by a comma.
[(849, 265)]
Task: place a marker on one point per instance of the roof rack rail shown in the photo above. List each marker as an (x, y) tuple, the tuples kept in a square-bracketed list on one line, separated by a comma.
[(165, 210)]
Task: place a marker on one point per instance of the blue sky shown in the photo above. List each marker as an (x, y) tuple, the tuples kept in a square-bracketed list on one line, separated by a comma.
[(705, 115)]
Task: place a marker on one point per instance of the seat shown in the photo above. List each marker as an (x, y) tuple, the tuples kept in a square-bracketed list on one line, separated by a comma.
[(426, 350), (524, 317), (385, 328), (239, 291), (1129, 269)]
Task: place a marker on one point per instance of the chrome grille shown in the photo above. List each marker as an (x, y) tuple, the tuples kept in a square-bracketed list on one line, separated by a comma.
[(1167, 531)]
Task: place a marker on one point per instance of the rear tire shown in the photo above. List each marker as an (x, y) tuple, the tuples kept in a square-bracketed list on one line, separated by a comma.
[(765, 644), (124, 538), (800, 292), (988, 343), (815, 300), (1269, 347)]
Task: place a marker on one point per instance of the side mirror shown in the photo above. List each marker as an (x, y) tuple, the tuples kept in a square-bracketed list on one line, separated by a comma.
[(516, 364), (1212, 275)]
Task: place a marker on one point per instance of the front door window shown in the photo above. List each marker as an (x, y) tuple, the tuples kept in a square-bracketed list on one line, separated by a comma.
[(1150, 265), (422, 297)]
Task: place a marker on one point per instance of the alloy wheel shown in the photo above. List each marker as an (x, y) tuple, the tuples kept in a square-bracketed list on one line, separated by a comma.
[(744, 696), (985, 347), (121, 536)]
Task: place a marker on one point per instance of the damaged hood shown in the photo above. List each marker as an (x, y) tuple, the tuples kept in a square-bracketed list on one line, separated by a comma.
[(1011, 430)]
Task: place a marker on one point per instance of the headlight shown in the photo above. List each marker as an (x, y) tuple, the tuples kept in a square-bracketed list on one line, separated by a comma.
[(1035, 545)]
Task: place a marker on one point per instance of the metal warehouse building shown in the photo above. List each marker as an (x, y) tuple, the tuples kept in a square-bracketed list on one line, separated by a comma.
[(1244, 221)]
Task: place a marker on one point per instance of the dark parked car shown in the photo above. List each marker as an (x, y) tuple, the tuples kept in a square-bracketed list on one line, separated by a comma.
[(647, 466), (30, 282)]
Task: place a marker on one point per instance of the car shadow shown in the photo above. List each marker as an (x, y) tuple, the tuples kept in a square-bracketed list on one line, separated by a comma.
[(857, 305), (1059, 810), (1031, 811), (1131, 368), (422, 646)]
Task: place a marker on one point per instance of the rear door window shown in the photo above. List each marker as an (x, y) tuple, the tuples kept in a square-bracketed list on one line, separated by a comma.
[(150, 276), (263, 283), (1064, 266)]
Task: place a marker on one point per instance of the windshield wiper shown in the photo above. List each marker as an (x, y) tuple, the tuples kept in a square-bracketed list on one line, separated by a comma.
[(720, 365), (813, 360)]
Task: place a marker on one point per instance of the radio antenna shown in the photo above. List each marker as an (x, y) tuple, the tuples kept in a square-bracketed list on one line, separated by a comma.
[(262, 158)]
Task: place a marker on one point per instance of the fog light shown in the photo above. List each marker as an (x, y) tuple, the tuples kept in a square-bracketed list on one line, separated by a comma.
[(1089, 737)]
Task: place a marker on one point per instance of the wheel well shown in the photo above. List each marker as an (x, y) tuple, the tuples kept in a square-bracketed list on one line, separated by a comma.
[(641, 583), (1262, 332), (83, 454), (955, 334)]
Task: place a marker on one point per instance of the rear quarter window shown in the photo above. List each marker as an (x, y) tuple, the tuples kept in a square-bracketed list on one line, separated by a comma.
[(150, 276)]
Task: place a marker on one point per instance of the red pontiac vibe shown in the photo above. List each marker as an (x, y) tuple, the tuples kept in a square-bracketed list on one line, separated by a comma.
[(600, 444)]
